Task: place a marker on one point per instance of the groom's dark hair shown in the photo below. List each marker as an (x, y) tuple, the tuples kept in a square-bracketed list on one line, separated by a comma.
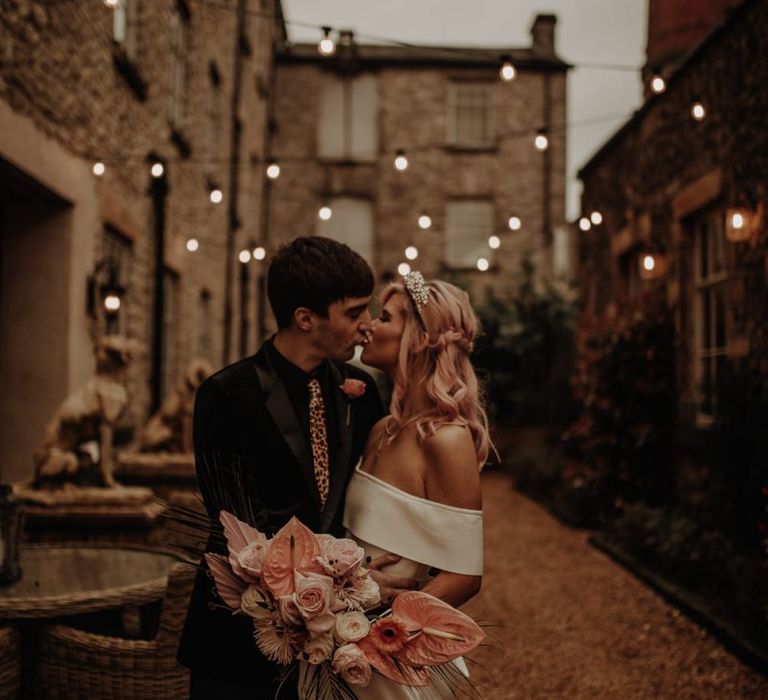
[(314, 272)]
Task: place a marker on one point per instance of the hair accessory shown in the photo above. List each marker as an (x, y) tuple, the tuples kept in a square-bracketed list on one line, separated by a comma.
[(417, 290)]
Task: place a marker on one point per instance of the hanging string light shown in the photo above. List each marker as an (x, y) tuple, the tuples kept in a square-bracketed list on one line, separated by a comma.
[(494, 242), (157, 170), (216, 195), (273, 170), (259, 253), (585, 224), (425, 221), (542, 140), (401, 162), (325, 212), (483, 264), (192, 245), (326, 46), (658, 84), (507, 70), (111, 4), (596, 218), (99, 169), (244, 256), (649, 263), (403, 268), (411, 252), (514, 223), (698, 112)]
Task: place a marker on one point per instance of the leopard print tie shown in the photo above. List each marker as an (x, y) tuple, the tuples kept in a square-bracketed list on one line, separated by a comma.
[(319, 439)]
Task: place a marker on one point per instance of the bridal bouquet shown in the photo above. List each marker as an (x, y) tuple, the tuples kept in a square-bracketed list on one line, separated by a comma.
[(310, 599)]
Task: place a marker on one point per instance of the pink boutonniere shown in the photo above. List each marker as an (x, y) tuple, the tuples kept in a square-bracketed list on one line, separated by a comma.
[(354, 388)]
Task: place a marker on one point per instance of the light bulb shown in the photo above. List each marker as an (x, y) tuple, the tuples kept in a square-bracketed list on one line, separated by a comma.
[(737, 221), (216, 196), (698, 112), (244, 256), (649, 263), (507, 71), (483, 264), (541, 141), (326, 46), (99, 169), (425, 221), (411, 252), (273, 171), (259, 253), (514, 223), (658, 84), (585, 224), (494, 242), (157, 170), (401, 162), (596, 218), (404, 268), (325, 213), (112, 303), (192, 245)]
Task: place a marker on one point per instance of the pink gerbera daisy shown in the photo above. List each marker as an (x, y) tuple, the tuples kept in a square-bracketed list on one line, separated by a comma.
[(389, 634)]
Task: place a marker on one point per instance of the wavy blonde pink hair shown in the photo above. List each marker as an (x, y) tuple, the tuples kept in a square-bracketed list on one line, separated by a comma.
[(434, 351)]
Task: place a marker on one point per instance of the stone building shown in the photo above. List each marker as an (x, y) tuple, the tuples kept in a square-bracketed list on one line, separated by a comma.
[(127, 85), (467, 135), (682, 188)]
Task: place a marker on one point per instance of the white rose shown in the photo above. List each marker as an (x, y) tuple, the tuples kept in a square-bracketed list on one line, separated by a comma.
[(350, 663), (317, 649), (365, 591), (350, 627)]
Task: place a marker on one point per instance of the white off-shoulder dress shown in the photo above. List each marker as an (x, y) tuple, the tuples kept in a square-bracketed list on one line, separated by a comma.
[(386, 520)]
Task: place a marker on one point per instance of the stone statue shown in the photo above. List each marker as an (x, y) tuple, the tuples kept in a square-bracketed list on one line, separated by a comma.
[(170, 429), (78, 444)]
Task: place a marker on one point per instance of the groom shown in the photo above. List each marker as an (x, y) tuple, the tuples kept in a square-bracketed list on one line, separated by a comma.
[(277, 436)]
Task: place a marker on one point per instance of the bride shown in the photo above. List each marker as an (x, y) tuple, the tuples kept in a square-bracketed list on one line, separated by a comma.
[(414, 501)]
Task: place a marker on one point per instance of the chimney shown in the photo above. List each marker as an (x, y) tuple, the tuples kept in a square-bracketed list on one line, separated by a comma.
[(543, 34)]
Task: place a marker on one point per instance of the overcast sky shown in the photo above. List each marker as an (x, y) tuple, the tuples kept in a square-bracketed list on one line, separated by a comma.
[(588, 31)]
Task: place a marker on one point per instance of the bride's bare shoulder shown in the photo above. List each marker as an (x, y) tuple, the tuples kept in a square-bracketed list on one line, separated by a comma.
[(452, 472)]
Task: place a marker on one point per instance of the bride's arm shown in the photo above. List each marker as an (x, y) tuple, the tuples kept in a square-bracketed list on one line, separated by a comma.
[(452, 477)]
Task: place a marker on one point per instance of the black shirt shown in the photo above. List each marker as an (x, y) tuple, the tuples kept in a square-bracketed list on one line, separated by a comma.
[(296, 382)]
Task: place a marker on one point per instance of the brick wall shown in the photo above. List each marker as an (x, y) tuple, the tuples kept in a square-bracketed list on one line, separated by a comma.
[(662, 167), (412, 98), (57, 70)]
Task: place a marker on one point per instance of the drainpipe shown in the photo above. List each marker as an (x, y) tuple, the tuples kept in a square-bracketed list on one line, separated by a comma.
[(233, 221)]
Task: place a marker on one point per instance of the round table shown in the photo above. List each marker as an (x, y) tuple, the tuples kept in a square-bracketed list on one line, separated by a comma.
[(64, 580)]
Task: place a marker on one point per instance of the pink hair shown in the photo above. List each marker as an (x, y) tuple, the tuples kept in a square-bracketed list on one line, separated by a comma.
[(434, 351)]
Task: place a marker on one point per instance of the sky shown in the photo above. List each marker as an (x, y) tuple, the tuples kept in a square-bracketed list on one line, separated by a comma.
[(588, 32)]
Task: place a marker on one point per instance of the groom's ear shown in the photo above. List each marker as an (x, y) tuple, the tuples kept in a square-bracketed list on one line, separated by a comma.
[(305, 319)]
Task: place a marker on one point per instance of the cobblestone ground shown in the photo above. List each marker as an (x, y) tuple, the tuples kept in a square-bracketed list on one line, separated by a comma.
[(576, 625)]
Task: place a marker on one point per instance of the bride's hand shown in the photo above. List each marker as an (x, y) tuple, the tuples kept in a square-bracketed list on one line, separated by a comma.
[(390, 586)]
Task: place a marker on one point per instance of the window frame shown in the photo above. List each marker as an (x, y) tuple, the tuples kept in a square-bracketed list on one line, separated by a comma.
[(453, 132)]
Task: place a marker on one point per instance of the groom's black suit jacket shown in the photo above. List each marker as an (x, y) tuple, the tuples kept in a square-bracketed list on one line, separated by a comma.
[(253, 458)]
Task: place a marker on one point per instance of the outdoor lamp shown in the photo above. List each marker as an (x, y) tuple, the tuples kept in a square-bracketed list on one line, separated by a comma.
[(108, 291)]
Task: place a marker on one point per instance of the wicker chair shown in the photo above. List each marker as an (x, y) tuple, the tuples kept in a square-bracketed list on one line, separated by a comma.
[(10, 663), (73, 664)]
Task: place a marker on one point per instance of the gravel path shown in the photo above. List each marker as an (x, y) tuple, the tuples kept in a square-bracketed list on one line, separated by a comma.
[(576, 625)]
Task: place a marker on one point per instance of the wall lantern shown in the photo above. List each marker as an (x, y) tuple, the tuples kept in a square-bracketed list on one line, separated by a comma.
[(104, 288), (742, 224), (652, 265)]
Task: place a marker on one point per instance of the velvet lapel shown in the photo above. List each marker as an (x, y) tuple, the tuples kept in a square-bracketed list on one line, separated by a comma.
[(340, 464), (279, 406)]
